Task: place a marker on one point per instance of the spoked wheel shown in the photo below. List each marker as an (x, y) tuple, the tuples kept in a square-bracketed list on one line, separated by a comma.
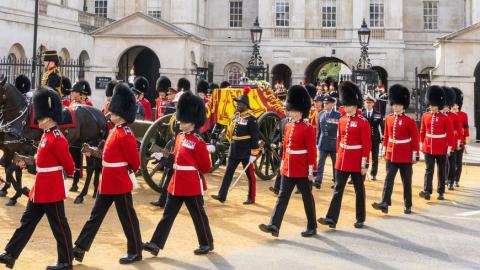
[(267, 164), (156, 137), (221, 146)]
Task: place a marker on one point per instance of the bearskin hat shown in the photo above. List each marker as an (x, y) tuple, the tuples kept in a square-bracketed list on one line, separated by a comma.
[(141, 84), (109, 88), (191, 109), (459, 95), (47, 104), (22, 83), (224, 84), (450, 96), (298, 99), (203, 86), (435, 96), (214, 86), (123, 103), (163, 84), (183, 84), (66, 86), (82, 87), (312, 90), (399, 94), (350, 94), (51, 56), (244, 98)]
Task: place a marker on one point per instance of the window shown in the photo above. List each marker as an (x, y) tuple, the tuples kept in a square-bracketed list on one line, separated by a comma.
[(376, 13), (154, 8), (329, 13), (234, 73), (236, 13), (101, 8), (430, 15), (282, 13)]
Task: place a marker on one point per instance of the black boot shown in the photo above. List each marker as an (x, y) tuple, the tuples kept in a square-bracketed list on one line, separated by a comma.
[(248, 201), (201, 250), (78, 200), (269, 229), (3, 193), (441, 197), (218, 198), (309, 232), (424, 195), (11, 202), (60, 266), (274, 190), (327, 222), (8, 260), (407, 210), (78, 254), (152, 248), (130, 258), (158, 203), (381, 206), (358, 225), (450, 186), (74, 188)]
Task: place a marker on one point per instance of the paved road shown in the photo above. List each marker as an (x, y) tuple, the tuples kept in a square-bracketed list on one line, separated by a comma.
[(444, 236)]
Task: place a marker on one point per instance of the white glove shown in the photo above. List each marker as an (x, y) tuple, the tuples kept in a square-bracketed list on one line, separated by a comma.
[(459, 144), (157, 155), (414, 157), (29, 94), (252, 159), (210, 148), (449, 150)]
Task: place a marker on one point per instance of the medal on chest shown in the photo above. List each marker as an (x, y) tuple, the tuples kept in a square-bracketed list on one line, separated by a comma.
[(353, 124), (242, 121), (188, 144), (43, 142)]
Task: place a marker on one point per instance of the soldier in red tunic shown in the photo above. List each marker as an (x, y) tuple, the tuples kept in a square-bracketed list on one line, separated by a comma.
[(299, 161), (86, 93), (450, 100), (463, 119), (141, 84), (78, 88), (49, 190), (436, 136), (120, 161), (192, 161), (401, 141), (163, 84), (354, 143)]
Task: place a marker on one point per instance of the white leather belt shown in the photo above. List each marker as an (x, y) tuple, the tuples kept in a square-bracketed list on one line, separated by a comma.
[(49, 169), (114, 164), (350, 146), (296, 152), (399, 141), (436, 136), (184, 168)]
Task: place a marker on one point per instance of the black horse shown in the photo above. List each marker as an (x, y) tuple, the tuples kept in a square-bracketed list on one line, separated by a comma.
[(16, 134)]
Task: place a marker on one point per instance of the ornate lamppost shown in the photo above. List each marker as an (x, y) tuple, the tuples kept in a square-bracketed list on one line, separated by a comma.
[(256, 69), (363, 74)]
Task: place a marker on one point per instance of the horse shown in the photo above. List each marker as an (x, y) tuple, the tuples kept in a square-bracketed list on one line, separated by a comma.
[(17, 135)]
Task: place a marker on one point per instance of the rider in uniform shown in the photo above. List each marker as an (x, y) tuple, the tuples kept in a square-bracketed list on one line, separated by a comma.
[(51, 76), (243, 135), (49, 191)]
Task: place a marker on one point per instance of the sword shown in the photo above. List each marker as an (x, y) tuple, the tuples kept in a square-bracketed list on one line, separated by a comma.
[(240, 176)]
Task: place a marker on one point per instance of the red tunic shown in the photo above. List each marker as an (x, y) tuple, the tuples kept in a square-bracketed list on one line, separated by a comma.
[(119, 154), (299, 149), (354, 143), (65, 102), (88, 103), (463, 119), (148, 109), (401, 138), (192, 161), (436, 133), (457, 129), (52, 156)]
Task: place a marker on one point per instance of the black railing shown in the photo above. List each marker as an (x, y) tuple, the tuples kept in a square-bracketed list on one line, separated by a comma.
[(11, 68)]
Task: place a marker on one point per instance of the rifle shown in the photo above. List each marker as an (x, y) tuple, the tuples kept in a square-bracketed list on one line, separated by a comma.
[(29, 160), (92, 150)]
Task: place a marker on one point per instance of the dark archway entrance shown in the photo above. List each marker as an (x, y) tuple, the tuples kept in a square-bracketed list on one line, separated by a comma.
[(282, 73), (383, 76), (476, 94), (142, 61), (313, 69)]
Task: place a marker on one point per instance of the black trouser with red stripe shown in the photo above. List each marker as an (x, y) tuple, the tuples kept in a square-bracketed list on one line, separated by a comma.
[(232, 165), (58, 223), (127, 215), (305, 187), (197, 212)]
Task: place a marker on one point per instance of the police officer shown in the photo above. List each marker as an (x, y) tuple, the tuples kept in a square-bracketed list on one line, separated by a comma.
[(327, 137), (375, 120), (463, 119), (51, 76), (48, 192), (120, 161), (402, 148), (436, 136), (298, 162), (243, 135), (188, 184), (353, 147)]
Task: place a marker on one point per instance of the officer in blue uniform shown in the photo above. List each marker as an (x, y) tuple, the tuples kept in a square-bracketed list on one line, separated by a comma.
[(327, 137), (375, 119)]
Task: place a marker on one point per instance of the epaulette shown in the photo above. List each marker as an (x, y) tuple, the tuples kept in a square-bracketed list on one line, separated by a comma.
[(307, 122), (128, 131), (57, 133), (198, 136), (362, 117)]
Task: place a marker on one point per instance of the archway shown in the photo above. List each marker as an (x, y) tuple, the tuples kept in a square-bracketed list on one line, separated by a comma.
[(383, 76), (476, 94), (64, 55), (282, 73), (18, 51), (140, 61), (313, 69)]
